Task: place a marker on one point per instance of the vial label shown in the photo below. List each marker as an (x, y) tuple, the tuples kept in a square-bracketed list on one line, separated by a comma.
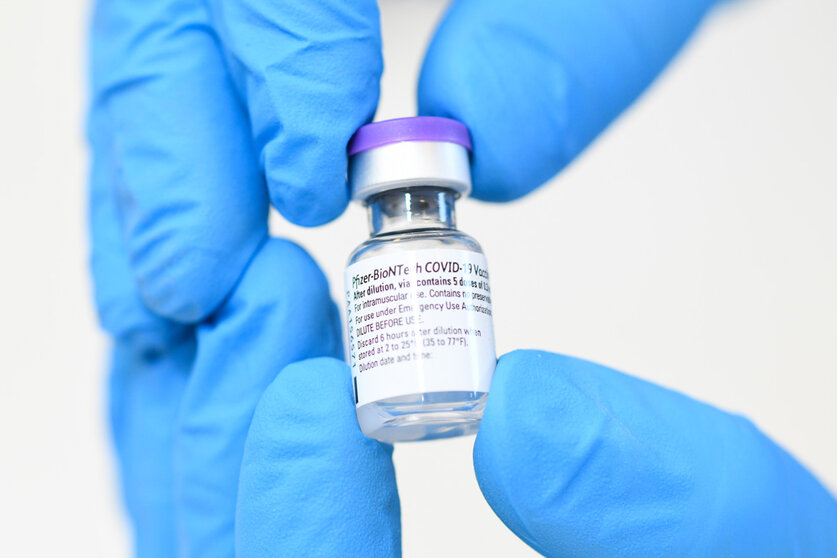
[(419, 322)]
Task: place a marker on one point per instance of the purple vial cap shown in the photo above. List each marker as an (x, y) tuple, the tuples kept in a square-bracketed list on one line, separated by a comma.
[(413, 128)]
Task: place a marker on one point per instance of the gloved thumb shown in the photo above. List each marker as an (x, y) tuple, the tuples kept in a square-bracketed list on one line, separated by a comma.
[(583, 461), (537, 80), (311, 483)]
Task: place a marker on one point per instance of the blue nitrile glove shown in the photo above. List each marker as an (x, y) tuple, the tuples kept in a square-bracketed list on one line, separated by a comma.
[(583, 461), (577, 459), (201, 112), (182, 400), (537, 80), (210, 108), (311, 483)]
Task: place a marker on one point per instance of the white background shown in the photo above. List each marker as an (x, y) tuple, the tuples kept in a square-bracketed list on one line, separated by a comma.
[(694, 245)]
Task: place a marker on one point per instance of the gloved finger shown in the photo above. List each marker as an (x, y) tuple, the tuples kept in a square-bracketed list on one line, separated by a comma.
[(279, 313), (537, 80), (150, 361), (145, 392), (582, 461), (192, 201), (310, 79), (311, 483)]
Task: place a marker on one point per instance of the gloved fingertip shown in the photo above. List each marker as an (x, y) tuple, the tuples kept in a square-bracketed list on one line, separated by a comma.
[(541, 435), (492, 183), (305, 440), (478, 70), (310, 78), (524, 399), (309, 205), (310, 188), (496, 176), (577, 458), (185, 277), (314, 403), (317, 389), (541, 369)]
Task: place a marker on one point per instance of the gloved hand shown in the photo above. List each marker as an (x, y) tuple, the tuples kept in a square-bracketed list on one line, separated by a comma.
[(582, 461), (202, 113), (537, 80), (577, 459)]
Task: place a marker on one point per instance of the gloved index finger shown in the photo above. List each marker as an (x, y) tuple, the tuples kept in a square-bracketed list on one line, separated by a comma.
[(309, 74), (190, 194), (280, 312), (537, 80)]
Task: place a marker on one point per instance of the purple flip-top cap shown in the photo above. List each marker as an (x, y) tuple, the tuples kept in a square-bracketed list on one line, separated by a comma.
[(413, 128)]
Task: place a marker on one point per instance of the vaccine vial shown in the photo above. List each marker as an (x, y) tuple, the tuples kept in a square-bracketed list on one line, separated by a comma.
[(418, 298)]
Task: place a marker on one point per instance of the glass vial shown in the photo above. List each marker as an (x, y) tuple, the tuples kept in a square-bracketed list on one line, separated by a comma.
[(418, 299)]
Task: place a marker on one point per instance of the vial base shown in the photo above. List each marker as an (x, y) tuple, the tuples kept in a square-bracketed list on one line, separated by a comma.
[(423, 416)]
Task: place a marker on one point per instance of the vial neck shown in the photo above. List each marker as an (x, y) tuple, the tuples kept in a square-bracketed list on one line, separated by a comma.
[(411, 209)]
